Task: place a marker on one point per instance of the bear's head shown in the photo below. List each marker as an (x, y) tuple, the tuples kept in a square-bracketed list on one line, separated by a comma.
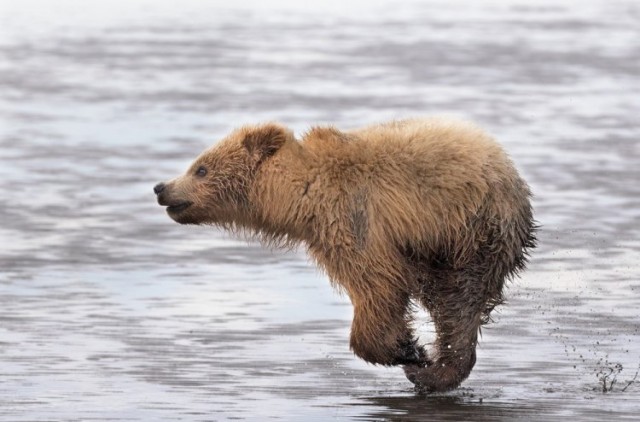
[(216, 188)]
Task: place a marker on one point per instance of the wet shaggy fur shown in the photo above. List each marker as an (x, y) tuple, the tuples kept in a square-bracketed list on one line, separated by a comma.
[(429, 211)]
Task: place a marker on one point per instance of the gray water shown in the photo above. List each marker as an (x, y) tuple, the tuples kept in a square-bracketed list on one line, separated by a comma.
[(110, 311)]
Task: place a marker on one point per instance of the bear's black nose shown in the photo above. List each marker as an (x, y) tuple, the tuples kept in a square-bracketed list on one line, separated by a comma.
[(158, 188)]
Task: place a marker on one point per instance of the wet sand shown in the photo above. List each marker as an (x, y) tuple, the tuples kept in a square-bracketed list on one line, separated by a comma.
[(112, 312)]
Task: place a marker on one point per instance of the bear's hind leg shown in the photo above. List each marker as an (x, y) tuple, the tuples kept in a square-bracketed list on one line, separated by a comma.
[(456, 308), (381, 332)]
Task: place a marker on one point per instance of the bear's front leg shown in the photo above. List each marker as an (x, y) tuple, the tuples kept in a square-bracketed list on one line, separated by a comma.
[(381, 332)]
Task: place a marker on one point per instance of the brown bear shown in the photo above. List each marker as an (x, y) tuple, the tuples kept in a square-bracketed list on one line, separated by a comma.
[(424, 210)]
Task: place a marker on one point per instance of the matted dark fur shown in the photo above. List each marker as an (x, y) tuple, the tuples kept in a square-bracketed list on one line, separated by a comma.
[(424, 210)]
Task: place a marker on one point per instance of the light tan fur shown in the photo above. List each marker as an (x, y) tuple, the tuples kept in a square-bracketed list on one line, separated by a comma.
[(386, 210)]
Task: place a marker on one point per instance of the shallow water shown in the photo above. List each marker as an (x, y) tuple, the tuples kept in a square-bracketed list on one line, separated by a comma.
[(112, 312)]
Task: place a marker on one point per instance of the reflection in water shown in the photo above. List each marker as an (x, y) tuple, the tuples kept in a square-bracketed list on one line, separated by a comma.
[(111, 311), (453, 408)]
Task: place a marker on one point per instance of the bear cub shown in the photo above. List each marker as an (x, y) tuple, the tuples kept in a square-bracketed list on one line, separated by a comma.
[(428, 211)]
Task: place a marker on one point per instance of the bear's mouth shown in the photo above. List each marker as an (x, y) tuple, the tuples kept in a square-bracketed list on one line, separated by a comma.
[(178, 208)]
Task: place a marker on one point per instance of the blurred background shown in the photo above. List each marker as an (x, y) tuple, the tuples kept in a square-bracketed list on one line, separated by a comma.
[(110, 311)]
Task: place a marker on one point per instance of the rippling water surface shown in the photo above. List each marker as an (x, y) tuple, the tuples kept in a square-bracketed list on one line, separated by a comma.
[(112, 312)]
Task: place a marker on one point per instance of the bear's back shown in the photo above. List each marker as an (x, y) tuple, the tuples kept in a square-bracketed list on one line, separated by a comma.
[(429, 140), (428, 176), (416, 179)]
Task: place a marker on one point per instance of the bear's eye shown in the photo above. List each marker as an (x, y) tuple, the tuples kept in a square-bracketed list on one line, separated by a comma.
[(201, 172)]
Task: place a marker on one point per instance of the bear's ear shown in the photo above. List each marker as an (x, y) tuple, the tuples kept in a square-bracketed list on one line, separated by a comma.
[(263, 141)]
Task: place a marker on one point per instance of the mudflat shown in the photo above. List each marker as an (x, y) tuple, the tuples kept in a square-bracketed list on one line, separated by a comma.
[(111, 311)]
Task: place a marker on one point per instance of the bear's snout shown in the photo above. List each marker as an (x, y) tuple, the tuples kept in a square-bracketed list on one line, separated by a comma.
[(157, 189), (162, 193), (172, 199)]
